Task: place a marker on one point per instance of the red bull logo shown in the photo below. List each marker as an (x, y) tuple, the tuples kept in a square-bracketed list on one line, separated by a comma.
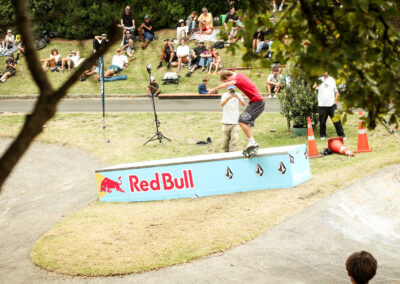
[(163, 181), (107, 185)]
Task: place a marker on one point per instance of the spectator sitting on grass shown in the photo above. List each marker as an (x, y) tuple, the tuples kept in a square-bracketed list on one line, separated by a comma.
[(361, 267), (21, 50), (9, 40), (89, 72), (217, 63), (257, 38), (233, 37), (128, 44), (231, 17), (53, 61), (206, 58), (203, 87), (280, 6), (119, 62), (274, 82), (153, 89), (146, 31), (206, 22), (127, 21), (99, 41), (181, 31), (167, 54), (70, 61), (11, 69), (191, 22), (183, 55), (196, 52)]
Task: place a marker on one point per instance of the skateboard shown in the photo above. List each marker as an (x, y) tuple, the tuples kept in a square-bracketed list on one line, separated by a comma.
[(250, 151)]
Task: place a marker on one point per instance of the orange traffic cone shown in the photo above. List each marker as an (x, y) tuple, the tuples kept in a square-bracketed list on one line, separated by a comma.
[(336, 145), (312, 145), (362, 146)]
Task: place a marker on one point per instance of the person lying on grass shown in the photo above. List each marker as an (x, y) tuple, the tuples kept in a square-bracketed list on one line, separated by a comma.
[(119, 62)]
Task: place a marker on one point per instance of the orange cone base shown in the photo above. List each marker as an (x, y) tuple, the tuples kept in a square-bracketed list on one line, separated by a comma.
[(363, 151)]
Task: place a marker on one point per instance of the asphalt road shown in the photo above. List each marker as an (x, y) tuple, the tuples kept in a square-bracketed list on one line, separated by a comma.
[(128, 105)]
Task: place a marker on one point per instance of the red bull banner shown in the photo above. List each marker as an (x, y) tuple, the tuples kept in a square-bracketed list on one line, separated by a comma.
[(205, 175)]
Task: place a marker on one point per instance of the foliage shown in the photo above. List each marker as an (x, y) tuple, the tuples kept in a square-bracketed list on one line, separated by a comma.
[(298, 102), (78, 19), (356, 42)]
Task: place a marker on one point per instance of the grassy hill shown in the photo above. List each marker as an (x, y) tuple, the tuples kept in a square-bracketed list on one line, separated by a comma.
[(137, 80)]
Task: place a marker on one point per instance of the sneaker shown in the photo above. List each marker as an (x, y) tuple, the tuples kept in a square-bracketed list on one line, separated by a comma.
[(322, 137), (252, 145), (83, 78), (188, 74), (274, 10), (269, 97), (344, 137), (169, 65), (159, 65), (274, 96), (53, 69), (280, 8)]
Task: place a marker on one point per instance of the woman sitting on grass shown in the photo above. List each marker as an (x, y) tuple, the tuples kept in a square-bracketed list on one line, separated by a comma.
[(11, 69), (52, 62), (217, 63), (206, 58)]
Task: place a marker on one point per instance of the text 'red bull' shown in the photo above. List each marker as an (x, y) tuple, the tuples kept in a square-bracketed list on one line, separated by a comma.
[(168, 182)]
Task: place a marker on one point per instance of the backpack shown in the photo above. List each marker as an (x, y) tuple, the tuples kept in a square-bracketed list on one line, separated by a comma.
[(219, 44), (171, 78)]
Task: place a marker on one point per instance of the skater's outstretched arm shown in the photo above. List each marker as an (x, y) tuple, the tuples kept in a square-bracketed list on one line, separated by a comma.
[(223, 85)]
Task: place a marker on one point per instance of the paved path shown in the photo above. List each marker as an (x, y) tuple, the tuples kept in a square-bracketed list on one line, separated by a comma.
[(128, 105), (310, 247)]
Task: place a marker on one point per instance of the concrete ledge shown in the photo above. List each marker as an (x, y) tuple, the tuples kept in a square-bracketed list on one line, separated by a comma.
[(188, 96)]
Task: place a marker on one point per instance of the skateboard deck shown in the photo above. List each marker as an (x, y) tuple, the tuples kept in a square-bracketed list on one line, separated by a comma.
[(250, 151)]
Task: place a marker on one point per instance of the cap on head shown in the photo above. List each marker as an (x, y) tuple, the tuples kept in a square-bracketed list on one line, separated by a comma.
[(146, 17), (231, 87), (9, 31), (103, 35), (204, 9), (152, 78), (72, 51), (201, 41), (181, 21)]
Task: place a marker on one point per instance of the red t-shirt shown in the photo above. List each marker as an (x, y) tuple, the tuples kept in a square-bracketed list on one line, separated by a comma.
[(248, 88)]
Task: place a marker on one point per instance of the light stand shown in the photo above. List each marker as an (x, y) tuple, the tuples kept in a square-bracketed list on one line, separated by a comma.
[(158, 136)]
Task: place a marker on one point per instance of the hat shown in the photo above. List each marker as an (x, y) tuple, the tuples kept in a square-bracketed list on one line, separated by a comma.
[(204, 9), (152, 78), (181, 21), (146, 17), (231, 87), (167, 39), (104, 35), (202, 41), (72, 51)]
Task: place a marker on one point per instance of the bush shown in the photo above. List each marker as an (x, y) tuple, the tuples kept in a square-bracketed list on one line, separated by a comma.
[(298, 102)]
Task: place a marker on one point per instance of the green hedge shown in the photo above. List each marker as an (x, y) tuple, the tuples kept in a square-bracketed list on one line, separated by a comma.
[(79, 19)]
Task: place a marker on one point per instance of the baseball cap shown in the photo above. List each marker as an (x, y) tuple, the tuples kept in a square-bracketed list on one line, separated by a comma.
[(152, 78), (146, 17), (181, 21), (202, 41), (204, 9), (104, 35), (231, 87)]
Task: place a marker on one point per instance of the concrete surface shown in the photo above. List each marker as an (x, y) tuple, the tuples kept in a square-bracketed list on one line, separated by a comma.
[(128, 105), (310, 247)]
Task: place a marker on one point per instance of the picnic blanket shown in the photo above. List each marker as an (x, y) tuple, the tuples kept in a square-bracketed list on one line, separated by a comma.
[(209, 38), (8, 52)]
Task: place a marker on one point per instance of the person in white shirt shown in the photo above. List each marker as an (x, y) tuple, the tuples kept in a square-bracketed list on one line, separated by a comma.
[(119, 62), (51, 62), (230, 117), (8, 40), (71, 61), (328, 95), (182, 31), (182, 52), (274, 82)]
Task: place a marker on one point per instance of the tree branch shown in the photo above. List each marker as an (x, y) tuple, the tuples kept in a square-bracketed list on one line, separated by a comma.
[(46, 105)]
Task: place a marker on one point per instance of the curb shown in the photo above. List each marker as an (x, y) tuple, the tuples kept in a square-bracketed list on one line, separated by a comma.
[(33, 97)]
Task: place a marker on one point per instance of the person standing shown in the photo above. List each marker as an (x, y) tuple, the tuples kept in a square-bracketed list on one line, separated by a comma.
[(254, 108), (230, 118), (328, 96)]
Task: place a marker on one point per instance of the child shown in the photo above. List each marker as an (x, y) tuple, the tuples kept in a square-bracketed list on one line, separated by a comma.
[(230, 115), (203, 87), (215, 63), (361, 267), (206, 58), (254, 108)]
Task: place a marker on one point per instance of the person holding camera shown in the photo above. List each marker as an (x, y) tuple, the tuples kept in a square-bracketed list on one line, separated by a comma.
[(328, 96), (230, 119)]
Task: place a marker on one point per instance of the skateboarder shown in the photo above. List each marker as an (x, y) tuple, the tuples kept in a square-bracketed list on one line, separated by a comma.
[(254, 108)]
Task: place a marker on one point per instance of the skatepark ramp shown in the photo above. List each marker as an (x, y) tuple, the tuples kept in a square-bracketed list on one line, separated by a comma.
[(205, 175)]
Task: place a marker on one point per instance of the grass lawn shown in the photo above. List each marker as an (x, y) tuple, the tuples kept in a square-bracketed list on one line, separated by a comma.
[(137, 80), (120, 238)]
